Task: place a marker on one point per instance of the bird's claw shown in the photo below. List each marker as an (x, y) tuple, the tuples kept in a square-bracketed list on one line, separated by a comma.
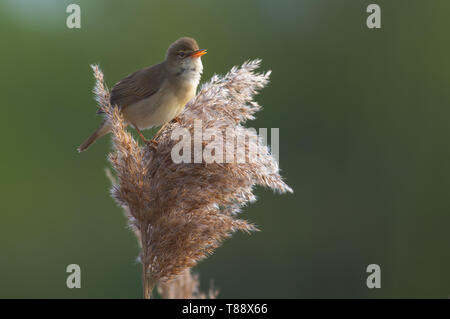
[(176, 120), (152, 144)]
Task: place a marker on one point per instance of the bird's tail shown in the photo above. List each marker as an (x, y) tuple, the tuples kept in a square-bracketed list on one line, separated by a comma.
[(104, 129)]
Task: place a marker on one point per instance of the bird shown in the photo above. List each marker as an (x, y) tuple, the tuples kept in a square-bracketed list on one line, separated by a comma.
[(155, 95)]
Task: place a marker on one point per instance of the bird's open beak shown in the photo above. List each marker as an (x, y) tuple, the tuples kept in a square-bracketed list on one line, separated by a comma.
[(198, 53)]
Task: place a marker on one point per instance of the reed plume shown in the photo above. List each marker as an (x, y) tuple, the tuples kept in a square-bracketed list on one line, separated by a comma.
[(181, 212), (185, 286)]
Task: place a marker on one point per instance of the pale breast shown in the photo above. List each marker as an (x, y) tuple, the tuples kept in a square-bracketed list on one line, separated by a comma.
[(161, 107)]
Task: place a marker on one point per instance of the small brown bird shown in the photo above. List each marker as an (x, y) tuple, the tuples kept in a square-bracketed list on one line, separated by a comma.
[(155, 95)]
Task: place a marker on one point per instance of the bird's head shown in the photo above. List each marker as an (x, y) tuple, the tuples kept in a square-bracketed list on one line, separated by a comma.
[(183, 58)]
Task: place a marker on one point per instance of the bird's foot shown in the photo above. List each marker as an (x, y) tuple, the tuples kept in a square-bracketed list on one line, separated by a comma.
[(152, 144), (176, 120)]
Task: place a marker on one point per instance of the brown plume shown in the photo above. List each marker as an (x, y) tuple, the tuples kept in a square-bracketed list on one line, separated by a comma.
[(182, 212), (185, 286)]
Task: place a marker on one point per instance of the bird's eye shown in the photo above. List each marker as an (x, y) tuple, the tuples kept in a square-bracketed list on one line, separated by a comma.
[(181, 54)]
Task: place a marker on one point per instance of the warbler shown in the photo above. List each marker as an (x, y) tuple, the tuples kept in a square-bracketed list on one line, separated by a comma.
[(157, 94)]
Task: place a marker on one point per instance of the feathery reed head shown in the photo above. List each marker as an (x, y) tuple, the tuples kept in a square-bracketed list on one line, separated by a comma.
[(185, 286), (181, 212)]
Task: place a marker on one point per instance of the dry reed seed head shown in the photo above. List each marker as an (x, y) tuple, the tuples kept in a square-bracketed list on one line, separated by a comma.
[(185, 286), (183, 211), (100, 90)]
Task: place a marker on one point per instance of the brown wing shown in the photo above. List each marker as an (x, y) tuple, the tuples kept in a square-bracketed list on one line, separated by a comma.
[(137, 86)]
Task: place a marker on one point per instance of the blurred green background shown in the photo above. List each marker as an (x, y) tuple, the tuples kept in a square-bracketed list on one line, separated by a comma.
[(364, 142)]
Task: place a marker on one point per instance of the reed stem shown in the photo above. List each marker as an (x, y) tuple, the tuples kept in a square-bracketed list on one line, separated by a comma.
[(148, 281)]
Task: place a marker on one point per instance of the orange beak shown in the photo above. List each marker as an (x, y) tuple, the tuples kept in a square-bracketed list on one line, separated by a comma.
[(198, 53)]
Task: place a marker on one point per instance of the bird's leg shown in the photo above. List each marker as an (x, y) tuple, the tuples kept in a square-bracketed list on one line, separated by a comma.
[(176, 119), (159, 132), (151, 143), (140, 133)]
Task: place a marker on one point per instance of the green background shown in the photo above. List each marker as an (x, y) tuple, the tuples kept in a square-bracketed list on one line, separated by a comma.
[(364, 142)]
